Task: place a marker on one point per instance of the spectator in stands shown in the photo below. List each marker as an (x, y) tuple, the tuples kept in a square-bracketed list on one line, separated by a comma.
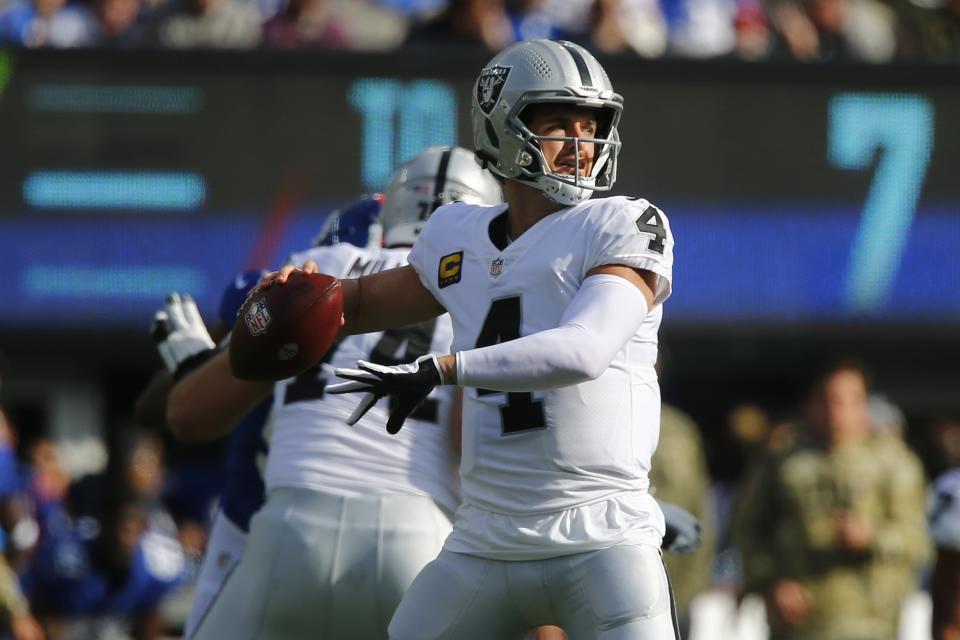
[(467, 23), (305, 24), (627, 26), (118, 23), (862, 30), (832, 530), (208, 24), (15, 616), (755, 38), (530, 19), (679, 475), (492, 24), (942, 445), (45, 23), (49, 483), (943, 509), (10, 478), (700, 28), (928, 29), (106, 577)]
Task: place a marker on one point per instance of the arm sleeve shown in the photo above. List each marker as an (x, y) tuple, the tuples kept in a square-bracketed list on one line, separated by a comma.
[(603, 315)]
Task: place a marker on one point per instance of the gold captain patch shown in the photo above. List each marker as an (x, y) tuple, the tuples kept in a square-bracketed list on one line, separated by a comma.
[(448, 272)]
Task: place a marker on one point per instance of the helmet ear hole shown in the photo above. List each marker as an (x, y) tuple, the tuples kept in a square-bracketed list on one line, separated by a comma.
[(484, 159)]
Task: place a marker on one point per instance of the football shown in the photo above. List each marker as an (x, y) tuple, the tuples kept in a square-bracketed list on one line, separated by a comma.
[(287, 328)]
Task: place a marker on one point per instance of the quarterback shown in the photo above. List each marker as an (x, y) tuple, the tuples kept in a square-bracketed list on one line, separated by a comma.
[(556, 300), (352, 514)]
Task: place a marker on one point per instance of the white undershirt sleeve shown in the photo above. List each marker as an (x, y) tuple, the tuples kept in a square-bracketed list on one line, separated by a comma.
[(603, 315)]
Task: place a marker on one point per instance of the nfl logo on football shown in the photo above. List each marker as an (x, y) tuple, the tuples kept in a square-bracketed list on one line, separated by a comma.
[(258, 317), (496, 267)]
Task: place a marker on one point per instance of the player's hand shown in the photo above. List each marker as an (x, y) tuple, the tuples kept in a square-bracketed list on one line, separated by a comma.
[(179, 333), (410, 384), (683, 529), (281, 275)]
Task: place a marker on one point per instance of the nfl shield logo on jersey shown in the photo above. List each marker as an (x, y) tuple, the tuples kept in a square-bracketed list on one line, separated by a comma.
[(490, 85), (496, 267), (258, 317)]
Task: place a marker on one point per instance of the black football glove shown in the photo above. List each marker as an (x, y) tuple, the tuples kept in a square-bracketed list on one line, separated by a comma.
[(179, 334), (410, 384), (683, 529)]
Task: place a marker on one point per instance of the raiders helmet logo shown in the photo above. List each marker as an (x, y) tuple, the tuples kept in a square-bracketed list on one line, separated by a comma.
[(490, 85)]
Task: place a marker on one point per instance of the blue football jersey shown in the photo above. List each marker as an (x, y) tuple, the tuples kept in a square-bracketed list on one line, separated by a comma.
[(246, 451)]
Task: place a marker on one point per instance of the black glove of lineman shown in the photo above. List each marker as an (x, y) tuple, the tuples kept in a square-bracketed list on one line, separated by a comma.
[(683, 529), (179, 334), (410, 384)]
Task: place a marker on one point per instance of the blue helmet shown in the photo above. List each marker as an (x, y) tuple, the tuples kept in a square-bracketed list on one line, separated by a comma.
[(236, 293), (352, 223)]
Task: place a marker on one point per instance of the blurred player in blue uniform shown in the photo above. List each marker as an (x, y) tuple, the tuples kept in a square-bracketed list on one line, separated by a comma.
[(243, 490)]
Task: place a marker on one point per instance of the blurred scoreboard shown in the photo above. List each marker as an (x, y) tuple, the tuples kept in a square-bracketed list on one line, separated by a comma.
[(798, 195)]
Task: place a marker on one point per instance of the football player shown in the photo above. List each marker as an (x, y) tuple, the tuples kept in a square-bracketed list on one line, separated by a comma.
[(352, 514), (556, 300), (180, 335)]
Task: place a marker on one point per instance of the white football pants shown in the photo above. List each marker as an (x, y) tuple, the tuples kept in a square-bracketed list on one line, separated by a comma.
[(224, 548), (321, 566), (619, 593)]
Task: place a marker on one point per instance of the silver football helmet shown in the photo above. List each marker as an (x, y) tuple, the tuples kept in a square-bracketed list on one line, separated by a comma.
[(544, 71), (437, 176)]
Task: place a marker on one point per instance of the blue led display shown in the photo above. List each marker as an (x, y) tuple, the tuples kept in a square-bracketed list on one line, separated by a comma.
[(116, 190), (90, 272), (901, 128), (95, 98), (770, 264)]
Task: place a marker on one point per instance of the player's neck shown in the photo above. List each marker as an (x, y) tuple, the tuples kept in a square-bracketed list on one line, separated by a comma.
[(526, 207)]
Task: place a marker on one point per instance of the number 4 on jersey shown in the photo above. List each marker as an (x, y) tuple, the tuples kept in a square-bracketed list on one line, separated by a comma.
[(650, 221), (502, 324)]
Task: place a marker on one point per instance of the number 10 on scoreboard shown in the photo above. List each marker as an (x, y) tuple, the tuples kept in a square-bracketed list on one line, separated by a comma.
[(400, 119)]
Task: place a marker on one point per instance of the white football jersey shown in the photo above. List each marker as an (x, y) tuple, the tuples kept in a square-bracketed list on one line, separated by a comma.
[(943, 511), (311, 445), (563, 468)]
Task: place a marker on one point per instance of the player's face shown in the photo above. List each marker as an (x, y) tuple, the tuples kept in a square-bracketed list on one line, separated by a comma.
[(563, 156)]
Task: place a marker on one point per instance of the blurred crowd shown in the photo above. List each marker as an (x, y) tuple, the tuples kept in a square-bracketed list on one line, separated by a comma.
[(111, 555), (824, 522), (874, 31)]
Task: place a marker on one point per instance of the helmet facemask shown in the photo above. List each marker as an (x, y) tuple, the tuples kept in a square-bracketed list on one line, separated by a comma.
[(531, 165)]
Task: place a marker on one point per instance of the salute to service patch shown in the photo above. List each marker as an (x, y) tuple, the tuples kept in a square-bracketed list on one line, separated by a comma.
[(449, 271)]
